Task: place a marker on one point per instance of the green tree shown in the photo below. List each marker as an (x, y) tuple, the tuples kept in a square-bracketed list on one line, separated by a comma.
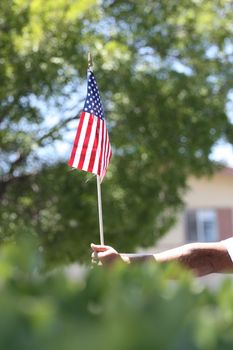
[(165, 72)]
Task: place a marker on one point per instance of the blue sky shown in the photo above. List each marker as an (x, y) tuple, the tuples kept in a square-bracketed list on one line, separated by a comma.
[(223, 152)]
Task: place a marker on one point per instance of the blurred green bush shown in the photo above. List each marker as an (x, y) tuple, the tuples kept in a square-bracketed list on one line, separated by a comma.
[(137, 307)]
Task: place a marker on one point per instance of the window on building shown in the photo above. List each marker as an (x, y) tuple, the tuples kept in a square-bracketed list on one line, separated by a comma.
[(201, 225)]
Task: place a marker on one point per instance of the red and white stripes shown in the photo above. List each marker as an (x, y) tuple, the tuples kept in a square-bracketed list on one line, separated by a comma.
[(91, 150)]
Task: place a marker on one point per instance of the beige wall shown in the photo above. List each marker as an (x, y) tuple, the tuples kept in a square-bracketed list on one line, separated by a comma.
[(216, 191), (208, 192)]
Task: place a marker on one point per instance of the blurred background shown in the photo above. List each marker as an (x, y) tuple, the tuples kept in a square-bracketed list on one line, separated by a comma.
[(165, 75)]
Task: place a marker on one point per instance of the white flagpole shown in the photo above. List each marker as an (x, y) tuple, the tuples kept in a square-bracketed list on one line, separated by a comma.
[(100, 210), (101, 226)]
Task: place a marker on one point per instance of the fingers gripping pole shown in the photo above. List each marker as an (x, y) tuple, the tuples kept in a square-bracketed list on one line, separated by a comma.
[(100, 210)]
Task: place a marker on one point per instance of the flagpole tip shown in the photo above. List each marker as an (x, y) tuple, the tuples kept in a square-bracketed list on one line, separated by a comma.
[(89, 60)]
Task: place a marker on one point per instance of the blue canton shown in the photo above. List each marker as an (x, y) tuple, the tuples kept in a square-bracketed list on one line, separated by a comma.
[(93, 103)]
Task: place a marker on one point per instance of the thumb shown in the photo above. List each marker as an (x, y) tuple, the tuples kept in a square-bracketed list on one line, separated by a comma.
[(99, 248)]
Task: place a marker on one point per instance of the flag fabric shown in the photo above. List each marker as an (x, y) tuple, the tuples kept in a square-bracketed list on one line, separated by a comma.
[(91, 150)]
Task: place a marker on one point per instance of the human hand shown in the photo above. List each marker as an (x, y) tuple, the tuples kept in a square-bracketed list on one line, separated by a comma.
[(104, 254)]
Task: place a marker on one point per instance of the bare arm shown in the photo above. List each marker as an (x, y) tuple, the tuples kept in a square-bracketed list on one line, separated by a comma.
[(201, 258)]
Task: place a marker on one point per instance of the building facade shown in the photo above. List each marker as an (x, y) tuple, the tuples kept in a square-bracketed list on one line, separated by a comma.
[(208, 212), (207, 217)]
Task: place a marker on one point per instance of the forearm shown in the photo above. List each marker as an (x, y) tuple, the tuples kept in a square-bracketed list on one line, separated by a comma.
[(201, 258), (134, 258)]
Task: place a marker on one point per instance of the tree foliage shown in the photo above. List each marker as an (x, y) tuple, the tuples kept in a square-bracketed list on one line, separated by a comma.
[(165, 72)]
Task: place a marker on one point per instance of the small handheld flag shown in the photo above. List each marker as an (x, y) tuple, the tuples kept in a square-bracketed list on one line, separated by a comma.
[(91, 150)]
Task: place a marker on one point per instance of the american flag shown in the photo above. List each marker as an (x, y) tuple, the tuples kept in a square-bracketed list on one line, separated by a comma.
[(91, 150)]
